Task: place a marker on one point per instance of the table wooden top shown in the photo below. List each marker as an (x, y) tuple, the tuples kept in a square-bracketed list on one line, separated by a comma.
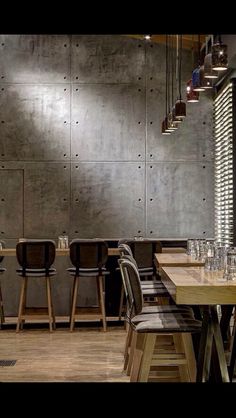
[(176, 260), (195, 286)]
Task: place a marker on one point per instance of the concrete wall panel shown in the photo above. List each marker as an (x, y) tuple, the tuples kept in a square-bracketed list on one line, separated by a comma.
[(35, 122), (180, 200), (107, 200), (107, 59), (47, 199), (11, 203), (35, 58), (101, 130)]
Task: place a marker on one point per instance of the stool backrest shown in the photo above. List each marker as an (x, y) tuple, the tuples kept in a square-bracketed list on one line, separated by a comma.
[(36, 254), (88, 253), (3, 246), (131, 277), (143, 251)]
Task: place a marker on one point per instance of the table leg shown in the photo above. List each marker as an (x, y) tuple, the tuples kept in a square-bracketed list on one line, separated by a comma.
[(204, 355), (210, 330)]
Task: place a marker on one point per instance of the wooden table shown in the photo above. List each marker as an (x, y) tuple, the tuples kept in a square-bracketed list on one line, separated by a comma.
[(176, 260), (194, 286)]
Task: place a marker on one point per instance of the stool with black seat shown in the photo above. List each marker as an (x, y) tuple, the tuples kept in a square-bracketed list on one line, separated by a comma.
[(2, 270), (88, 257), (35, 258)]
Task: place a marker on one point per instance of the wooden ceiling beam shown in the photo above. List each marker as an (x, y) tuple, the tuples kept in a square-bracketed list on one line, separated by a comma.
[(188, 41)]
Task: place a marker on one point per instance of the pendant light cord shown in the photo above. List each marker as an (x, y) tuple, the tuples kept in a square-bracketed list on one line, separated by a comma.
[(166, 72), (172, 71), (180, 65)]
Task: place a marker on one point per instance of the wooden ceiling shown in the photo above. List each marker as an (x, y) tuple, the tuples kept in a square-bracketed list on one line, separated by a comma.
[(188, 41)]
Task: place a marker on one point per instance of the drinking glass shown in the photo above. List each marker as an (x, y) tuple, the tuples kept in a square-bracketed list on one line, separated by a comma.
[(63, 241), (191, 247), (230, 268)]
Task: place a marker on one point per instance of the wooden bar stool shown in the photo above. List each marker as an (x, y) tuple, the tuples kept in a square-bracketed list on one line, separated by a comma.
[(88, 257), (35, 258)]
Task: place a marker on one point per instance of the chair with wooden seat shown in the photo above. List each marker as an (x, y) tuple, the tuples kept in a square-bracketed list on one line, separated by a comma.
[(161, 343), (88, 257), (151, 288), (2, 270), (143, 251), (35, 258)]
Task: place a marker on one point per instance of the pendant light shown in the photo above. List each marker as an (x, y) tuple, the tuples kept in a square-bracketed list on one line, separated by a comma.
[(208, 70), (219, 56), (207, 83), (171, 116), (198, 73), (180, 106), (164, 125), (192, 96)]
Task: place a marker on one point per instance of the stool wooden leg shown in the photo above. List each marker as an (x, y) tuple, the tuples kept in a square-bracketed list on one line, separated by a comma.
[(127, 346), (22, 303), (1, 308), (102, 304), (74, 298), (131, 352), (148, 350), (49, 299)]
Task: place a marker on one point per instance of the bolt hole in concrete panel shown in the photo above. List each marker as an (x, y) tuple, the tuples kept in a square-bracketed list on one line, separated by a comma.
[(179, 211), (109, 194), (101, 110), (107, 59), (37, 126), (46, 207), (48, 60), (11, 219)]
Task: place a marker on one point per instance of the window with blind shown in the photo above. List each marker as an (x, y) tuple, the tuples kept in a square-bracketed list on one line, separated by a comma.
[(224, 116)]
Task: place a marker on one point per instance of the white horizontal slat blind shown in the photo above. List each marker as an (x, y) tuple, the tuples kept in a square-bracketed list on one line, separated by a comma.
[(223, 135)]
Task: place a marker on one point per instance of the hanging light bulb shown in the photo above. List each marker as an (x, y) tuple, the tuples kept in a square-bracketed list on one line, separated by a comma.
[(197, 78), (180, 106), (219, 56), (164, 130), (192, 96), (207, 83), (197, 74), (180, 110), (208, 70), (171, 124), (177, 121)]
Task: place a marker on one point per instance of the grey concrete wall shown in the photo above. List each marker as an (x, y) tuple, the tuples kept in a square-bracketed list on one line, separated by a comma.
[(81, 151)]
